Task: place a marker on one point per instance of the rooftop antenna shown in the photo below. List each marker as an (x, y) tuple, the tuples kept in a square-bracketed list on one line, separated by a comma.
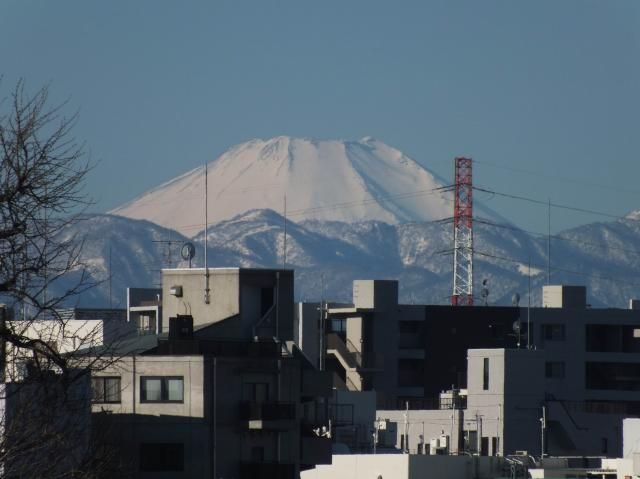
[(187, 252), (529, 308), (206, 234), (549, 243), (110, 276), (485, 292), (284, 253)]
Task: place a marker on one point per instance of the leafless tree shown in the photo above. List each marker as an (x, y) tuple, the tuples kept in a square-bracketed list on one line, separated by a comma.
[(42, 175)]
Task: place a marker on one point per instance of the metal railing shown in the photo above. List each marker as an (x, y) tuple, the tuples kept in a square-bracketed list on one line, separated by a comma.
[(267, 411)]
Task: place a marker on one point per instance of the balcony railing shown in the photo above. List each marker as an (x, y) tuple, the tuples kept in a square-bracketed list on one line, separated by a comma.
[(267, 470), (267, 411)]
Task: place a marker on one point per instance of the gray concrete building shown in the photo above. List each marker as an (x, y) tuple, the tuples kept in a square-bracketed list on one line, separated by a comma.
[(221, 391)]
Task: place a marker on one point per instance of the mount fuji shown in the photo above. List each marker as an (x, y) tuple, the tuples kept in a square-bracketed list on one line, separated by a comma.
[(327, 180), (357, 210)]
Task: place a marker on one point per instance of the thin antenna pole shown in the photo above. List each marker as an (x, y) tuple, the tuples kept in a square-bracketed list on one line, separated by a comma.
[(529, 308), (110, 272), (284, 253), (323, 308), (549, 243), (206, 234)]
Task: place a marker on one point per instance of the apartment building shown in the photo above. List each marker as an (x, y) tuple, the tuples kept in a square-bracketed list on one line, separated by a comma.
[(222, 391), (409, 354)]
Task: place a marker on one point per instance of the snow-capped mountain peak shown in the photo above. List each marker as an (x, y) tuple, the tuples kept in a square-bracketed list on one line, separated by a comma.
[(322, 179)]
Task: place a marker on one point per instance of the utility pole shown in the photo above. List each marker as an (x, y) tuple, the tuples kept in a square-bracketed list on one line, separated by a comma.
[(543, 427), (405, 450), (479, 433)]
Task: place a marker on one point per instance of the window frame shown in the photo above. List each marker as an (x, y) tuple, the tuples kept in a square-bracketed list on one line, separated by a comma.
[(103, 380), (164, 390)]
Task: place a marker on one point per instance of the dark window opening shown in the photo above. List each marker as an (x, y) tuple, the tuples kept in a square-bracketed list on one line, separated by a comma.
[(258, 392), (161, 457), (485, 374), (161, 389), (554, 369), (553, 332), (608, 338), (105, 389), (411, 372), (266, 300), (613, 376), (257, 454), (484, 446)]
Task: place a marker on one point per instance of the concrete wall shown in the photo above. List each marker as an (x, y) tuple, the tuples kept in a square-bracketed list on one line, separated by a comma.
[(631, 437), (405, 466), (307, 330), (213, 389), (131, 368), (511, 407), (224, 285), (422, 427), (235, 300)]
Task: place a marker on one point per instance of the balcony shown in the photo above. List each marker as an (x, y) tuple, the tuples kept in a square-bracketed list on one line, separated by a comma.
[(315, 450), (276, 416), (267, 470)]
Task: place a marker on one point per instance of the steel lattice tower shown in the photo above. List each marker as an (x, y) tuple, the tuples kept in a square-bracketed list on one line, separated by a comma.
[(463, 234)]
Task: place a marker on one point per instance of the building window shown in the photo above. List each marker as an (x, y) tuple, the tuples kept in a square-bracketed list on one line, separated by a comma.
[(554, 369), (161, 457), (553, 332), (485, 374), (612, 376), (161, 389), (258, 392), (105, 389), (147, 323), (411, 373)]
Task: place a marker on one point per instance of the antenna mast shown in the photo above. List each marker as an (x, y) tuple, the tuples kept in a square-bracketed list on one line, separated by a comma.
[(463, 234), (284, 252), (206, 234)]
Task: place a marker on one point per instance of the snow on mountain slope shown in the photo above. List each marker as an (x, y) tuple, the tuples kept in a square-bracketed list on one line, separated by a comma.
[(603, 256), (333, 180)]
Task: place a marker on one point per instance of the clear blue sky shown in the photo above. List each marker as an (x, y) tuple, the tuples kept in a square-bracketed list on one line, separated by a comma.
[(550, 87)]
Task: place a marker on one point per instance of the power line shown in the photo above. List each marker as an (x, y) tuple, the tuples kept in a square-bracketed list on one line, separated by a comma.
[(560, 270), (487, 222), (555, 205), (558, 178)]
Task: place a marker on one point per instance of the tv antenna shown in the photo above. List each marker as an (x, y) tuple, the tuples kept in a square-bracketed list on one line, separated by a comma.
[(187, 252), (168, 253), (485, 292)]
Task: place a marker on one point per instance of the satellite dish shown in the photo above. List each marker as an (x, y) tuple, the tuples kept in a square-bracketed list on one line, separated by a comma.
[(485, 292), (187, 252), (515, 299)]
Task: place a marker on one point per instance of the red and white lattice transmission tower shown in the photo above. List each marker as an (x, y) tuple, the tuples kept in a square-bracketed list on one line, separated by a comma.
[(463, 235)]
